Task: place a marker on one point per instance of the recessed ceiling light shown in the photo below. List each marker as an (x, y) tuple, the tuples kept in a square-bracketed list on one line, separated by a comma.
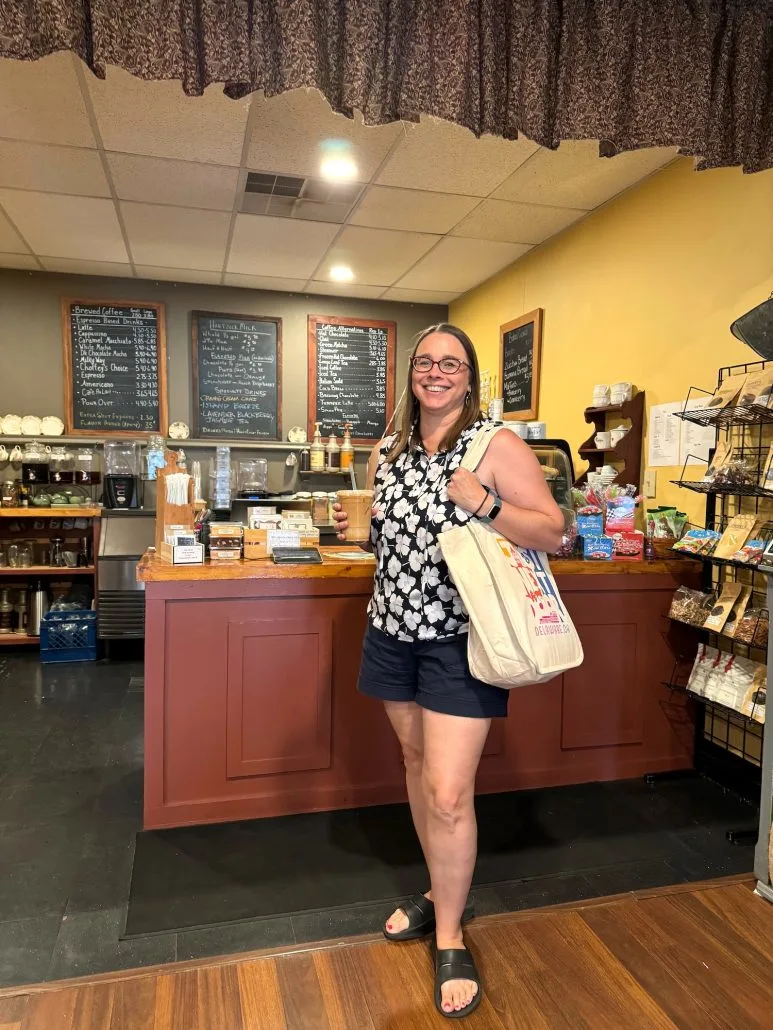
[(341, 273), (338, 168), (337, 163)]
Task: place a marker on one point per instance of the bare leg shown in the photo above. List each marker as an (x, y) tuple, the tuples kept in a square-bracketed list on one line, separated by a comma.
[(452, 749), (407, 722)]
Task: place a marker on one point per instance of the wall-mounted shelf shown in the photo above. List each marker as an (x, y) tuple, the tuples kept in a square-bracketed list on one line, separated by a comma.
[(626, 452), (58, 571), (7, 639), (235, 445), (69, 512)]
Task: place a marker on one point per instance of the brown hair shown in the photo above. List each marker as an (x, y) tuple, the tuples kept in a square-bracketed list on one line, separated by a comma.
[(470, 411)]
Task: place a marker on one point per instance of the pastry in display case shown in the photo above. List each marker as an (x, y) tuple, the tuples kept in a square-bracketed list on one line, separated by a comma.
[(555, 457)]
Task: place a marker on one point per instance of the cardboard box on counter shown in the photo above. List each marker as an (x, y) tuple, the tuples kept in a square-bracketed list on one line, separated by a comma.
[(259, 543)]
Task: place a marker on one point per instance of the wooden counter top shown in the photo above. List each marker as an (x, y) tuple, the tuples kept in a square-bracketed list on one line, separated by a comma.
[(152, 569)]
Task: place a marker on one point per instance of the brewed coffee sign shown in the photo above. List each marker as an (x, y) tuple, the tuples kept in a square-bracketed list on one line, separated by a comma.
[(351, 375), (520, 348), (236, 376), (115, 367)]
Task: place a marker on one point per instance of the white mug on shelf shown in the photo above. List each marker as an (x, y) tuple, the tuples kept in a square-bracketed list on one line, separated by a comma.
[(603, 439), (617, 435), (600, 396), (15, 454), (3, 453)]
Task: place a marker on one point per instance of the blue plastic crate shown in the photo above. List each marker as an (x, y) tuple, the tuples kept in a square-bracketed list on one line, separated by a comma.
[(68, 637)]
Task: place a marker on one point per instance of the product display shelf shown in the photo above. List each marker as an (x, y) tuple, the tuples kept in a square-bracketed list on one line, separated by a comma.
[(37, 527), (235, 444), (627, 453), (730, 745), (763, 855)]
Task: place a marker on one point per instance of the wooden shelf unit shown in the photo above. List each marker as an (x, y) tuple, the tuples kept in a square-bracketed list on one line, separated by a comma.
[(627, 452)]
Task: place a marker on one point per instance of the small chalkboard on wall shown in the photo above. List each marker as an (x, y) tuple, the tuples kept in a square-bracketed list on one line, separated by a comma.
[(237, 382), (115, 367), (351, 375), (520, 349)]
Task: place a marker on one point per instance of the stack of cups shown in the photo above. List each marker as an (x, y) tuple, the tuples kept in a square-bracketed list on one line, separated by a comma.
[(621, 392), (601, 396), (221, 493)]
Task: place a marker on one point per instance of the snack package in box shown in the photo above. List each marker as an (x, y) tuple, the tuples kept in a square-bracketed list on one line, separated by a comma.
[(597, 548), (620, 515), (628, 546)]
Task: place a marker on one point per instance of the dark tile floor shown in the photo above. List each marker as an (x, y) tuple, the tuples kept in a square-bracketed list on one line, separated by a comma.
[(71, 804)]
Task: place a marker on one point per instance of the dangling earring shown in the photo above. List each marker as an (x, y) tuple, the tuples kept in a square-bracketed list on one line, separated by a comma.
[(467, 396)]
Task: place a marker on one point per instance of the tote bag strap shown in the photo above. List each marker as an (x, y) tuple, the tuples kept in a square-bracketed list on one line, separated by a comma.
[(474, 454)]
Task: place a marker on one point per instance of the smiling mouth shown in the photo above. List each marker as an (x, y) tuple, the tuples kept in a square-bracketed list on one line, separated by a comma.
[(435, 388)]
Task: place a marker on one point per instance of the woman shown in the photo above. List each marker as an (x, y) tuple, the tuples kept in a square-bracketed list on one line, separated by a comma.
[(415, 649)]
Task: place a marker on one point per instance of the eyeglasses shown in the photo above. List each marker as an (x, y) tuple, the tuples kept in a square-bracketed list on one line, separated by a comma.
[(448, 365)]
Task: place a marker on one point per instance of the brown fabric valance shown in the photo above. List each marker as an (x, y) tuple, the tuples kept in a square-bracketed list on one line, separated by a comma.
[(697, 74)]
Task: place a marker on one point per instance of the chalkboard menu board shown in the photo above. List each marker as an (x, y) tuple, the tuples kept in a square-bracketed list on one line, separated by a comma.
[(520, 346), (351, 375), (115, 367), (236, 376)]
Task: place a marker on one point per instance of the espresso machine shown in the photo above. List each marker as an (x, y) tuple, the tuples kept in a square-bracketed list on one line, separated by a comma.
[(122, 474)]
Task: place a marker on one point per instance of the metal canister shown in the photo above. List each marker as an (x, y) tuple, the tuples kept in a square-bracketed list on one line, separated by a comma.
[(536, 430)]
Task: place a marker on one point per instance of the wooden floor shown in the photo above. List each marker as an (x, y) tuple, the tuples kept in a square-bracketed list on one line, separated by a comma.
[(692, 957)]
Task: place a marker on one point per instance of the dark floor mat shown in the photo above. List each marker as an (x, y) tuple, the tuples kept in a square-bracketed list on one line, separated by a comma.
[(206, 875)]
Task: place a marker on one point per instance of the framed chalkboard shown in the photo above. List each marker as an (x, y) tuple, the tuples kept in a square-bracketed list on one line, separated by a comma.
[(351, 375), (115, 367), (519, 365), (237, 376)]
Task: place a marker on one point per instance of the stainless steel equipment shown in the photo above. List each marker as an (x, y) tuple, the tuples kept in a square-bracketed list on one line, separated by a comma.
[(39, 605), (555, 456), (124, 537)]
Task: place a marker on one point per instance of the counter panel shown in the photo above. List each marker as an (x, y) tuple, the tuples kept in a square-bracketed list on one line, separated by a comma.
[(252, 708)]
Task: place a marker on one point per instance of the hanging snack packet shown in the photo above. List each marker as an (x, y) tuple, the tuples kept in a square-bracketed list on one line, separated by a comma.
[(766, 476), (738, 531), (727, 392), (721, 610), (757, 388), (723, 455), (736, 613)]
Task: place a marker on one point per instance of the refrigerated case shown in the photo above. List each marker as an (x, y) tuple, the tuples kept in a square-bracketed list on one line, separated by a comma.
[(556, 454)]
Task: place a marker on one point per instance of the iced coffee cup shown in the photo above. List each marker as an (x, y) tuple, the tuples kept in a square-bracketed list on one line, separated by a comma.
[(358, 505)]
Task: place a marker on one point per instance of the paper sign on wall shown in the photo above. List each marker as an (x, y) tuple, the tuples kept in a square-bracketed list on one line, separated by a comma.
[(672, 441)]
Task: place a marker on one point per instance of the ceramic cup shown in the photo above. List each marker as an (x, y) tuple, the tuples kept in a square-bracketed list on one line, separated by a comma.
[(603, 439), (3, 453), (600, 395), (617, 435), (15, 454)]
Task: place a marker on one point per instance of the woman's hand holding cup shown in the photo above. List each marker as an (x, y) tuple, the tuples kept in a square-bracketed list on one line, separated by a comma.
[(341, 520)]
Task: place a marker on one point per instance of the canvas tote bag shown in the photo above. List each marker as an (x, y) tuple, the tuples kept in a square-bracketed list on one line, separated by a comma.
[(520, 632)]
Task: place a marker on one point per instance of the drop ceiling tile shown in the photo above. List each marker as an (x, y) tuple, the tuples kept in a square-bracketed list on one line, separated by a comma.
[(436, 155), (10, 241), (388, 207), (23, 261), (156, 180), (158, 119), (42, 102), (328, 289), (281, 247), (35, 166), (458, 264), (516, 223), (575, 176), (178, 275), (419, 296), (75, 267), (377, 256), (288, 132), (265, 282), (67, 227), (176, 237)]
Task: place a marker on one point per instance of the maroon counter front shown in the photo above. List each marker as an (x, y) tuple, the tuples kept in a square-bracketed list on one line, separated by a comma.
[(251, 706)]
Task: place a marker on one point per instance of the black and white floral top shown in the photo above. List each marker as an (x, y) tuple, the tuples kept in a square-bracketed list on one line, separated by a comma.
[(413, 595)]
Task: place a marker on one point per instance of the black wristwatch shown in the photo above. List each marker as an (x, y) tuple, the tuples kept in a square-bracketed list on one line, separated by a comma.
[(495, 508)]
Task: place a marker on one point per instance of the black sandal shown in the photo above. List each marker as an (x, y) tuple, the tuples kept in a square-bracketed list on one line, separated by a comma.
[(420, 913), (455, 964)]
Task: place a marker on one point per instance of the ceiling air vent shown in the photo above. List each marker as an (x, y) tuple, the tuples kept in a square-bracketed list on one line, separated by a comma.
[(274, 185), (290, 196)]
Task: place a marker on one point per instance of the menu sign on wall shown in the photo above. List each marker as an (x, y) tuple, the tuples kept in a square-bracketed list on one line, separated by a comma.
[(520, 346), (115, 367), (351, 375), (236, 376)]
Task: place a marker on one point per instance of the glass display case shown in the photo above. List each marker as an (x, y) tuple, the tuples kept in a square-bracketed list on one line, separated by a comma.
[(555, 457)]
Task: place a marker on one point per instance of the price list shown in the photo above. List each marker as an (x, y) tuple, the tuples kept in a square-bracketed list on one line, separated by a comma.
[(237, 376), (354, 367), (115, 360)]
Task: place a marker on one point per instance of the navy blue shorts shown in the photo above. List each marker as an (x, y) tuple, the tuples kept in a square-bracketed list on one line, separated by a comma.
[(433, 673)]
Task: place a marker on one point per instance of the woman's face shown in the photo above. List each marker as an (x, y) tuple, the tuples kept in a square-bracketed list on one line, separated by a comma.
[(441, 393)]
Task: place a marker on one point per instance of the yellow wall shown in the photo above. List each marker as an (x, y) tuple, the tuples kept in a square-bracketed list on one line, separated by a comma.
[(643, 290)]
